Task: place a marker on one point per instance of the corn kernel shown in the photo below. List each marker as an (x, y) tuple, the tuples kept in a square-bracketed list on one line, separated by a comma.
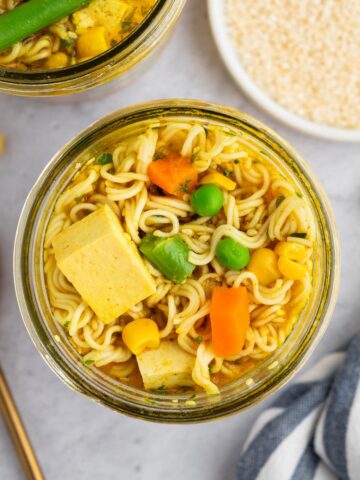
[(220, 180), (140, 334), (292, 250), (263, 264), (57, 60), (291, 269), (92, 42)]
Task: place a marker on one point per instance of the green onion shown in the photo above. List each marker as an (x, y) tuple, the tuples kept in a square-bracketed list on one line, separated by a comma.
[(32, 16), (279, 201), (104, 159), (298, 235), (168, 255), (184, 187), (67, 42)]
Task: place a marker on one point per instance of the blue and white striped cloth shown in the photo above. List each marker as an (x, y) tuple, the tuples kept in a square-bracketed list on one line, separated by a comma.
[(312, 431)]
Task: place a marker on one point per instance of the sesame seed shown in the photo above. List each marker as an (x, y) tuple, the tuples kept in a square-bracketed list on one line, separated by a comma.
[(304, 54)]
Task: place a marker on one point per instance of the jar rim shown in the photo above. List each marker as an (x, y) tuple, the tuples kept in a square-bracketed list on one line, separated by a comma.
[(208, 410)]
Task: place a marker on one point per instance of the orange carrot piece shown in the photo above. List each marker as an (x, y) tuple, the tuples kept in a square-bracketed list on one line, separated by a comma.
[(230, 319), (175, 174)]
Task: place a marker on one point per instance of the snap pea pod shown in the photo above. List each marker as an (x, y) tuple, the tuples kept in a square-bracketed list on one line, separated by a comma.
[(32, 16)]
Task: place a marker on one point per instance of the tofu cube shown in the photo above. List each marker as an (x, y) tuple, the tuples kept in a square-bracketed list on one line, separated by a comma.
[(103, 264), (166, 367)]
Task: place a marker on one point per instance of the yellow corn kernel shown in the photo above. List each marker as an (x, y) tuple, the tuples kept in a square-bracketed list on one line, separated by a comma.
[(219, 180), (57, 60), (290, 269), (2, 144), (140, 334), (263, 264), (92, 42), (292, 250)]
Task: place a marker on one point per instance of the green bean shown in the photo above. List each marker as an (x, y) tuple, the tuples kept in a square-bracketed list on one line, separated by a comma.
[(33, 16)]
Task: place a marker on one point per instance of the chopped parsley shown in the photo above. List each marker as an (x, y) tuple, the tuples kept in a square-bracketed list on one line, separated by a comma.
[(127, 23), (159, 155), (279, 201), (104, 159), (66, 324), (89, 362), (185, 388), (299, 194), (198, 339), (184, 187), (67, 42), (298, 235), (195, 155)]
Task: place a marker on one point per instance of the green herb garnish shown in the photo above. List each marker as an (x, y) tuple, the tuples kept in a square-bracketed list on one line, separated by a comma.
[(198, 339), (279, 201), (67, 42), (89, 362), (66, 324), (185, 388), (227, 173), (195, 155), (298, 235), (104, 159), (159, 156), (127, 22), (184, 187), (299, 194)]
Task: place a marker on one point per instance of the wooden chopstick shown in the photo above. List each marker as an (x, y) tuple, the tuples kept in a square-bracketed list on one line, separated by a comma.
[(17, 431)]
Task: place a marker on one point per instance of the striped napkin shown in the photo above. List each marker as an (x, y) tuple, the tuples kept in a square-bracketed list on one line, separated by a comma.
[(312, 431)]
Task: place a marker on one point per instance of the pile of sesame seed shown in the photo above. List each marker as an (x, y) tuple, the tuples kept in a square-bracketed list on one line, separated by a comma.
[(304, 53)]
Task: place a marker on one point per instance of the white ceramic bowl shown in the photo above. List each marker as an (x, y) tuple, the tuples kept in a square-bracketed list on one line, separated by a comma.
[(220, 29)]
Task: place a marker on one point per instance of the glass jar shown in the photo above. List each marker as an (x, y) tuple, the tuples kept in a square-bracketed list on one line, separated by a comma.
[(119, 61), (50, 339)]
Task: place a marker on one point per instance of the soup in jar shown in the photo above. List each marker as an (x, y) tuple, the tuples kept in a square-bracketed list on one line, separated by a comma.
[(43, 35), (179, 258)]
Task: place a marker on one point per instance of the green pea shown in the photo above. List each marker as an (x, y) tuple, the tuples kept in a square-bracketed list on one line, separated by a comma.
[(207, 200), (232, 254)]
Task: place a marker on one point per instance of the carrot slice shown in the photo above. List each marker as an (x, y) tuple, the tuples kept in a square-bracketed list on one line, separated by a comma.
[(230, 319), (175, 174)]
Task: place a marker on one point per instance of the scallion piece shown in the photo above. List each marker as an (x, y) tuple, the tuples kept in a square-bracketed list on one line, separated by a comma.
[(298, 235), (104, 159)]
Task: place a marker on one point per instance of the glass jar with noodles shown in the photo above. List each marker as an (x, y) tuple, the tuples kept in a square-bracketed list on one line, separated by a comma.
[(219, 244), (74, 45)]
